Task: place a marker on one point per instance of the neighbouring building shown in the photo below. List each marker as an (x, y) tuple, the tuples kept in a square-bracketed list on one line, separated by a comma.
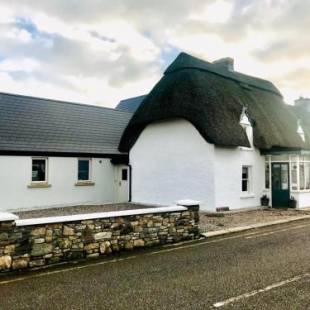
[(204, 132), (55, 153)]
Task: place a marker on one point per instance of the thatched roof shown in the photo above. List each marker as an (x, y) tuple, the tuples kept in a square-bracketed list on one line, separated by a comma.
[(212, 98)]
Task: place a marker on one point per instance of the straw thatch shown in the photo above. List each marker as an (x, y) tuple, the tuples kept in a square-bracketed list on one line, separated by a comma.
[(212, 99)]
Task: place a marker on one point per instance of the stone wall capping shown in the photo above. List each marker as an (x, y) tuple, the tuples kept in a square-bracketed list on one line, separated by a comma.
[(98, 215), (187, 202), (8, 217)]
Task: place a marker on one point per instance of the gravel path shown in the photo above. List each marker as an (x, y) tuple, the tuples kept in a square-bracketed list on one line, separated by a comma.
[(79, 210), (219, 221)]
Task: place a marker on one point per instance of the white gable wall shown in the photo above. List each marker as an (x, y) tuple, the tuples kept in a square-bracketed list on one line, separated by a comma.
[(171, 161), (62, 175)]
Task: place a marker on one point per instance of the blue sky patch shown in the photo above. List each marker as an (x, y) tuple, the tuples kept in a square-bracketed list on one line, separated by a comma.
[(28, 25)]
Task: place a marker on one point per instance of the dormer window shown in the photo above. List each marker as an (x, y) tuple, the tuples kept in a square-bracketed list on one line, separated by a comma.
[(246, 125)]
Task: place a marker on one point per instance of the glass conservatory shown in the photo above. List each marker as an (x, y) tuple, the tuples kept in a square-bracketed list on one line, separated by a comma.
[(287, 178)]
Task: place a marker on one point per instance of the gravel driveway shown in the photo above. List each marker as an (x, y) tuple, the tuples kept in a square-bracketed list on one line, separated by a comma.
[(219, 221)]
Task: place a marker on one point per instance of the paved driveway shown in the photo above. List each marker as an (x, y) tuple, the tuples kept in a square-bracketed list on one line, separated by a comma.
[(265, 269)]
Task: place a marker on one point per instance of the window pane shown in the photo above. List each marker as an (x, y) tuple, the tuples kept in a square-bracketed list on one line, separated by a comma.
[(301, 176), (267, 183), (244, 185), (244, 172), (294, 176), (124, 174), (284, 177), (276, 177), (307, 175), (38, 170), (83, 173)]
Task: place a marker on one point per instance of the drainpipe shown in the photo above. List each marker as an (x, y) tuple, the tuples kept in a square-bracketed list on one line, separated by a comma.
[(130, 181)]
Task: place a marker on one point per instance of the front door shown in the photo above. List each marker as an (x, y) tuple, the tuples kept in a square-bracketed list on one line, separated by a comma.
[(280, 185), (123, 184)]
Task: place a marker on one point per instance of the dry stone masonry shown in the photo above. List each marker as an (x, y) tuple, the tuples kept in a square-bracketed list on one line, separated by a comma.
[(25, 246)]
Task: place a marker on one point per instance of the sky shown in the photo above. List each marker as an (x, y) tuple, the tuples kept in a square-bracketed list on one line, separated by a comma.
[(101, 51)]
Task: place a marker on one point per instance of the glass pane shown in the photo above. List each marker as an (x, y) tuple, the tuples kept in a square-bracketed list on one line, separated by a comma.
[(307, 175), (38, 170), (294, 176), (284, 177), (276, 177), (301, 176), (244, 185), (124, 174), (83, 173), (267, 185), (245, 172)]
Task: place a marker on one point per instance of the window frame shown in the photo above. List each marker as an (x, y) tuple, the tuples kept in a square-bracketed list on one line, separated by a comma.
[(248, 179), (90, 174), (46, 170)]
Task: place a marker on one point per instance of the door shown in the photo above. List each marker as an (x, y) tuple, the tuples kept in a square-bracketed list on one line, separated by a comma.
[(280, 185), (123, 184)]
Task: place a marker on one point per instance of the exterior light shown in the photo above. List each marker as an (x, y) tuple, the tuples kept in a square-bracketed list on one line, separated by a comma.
[(244, 120)]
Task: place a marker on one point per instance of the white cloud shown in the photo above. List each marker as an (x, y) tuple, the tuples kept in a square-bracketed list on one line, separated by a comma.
[(103, 51), (217, 12)]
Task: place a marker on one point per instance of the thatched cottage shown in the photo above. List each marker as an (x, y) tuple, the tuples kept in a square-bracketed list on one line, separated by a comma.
[(204, 132), (209, 133)]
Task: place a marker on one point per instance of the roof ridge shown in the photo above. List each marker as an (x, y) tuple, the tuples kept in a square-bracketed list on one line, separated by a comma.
[(203, 65), (62, 102)]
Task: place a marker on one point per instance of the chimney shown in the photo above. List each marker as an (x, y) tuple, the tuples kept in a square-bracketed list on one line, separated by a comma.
[(303, 103), (225, 63)]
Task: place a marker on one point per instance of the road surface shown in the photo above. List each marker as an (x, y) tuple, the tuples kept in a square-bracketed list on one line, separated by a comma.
[(263, 269)]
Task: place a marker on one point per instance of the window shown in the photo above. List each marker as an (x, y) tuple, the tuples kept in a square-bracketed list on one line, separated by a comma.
[(304, 175), (84, 170), (39, 170), (124, 174), (301, 176), (267, 171), (294, 176), (246, 179)]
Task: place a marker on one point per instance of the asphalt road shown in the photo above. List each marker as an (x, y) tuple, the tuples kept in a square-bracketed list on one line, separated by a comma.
[(262, 269)]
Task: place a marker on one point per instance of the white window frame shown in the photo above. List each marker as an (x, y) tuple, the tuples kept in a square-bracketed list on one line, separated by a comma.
[(90, 170), (46, 170), (249, 180)]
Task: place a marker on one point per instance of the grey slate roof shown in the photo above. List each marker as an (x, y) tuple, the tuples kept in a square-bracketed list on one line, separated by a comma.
[(130, 104), (29, 124)]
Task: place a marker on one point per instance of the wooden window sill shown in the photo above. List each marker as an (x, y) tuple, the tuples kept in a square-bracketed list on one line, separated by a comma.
[(84, 183), (39, 185)]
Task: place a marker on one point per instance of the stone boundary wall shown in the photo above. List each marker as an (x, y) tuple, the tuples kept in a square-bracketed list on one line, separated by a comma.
[(46, 241)]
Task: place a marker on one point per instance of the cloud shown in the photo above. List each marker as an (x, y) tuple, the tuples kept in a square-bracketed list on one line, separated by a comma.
[(101, 51)]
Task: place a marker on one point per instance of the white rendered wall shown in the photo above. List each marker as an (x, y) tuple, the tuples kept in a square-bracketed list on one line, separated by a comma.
[(303, 198), (228, 175), (171, 161), (62, 175)]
